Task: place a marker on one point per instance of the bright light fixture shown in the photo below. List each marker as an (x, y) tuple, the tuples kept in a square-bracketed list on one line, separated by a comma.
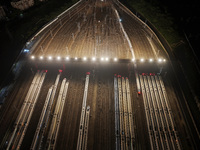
[(151, 60), (41, 57), (133, 59), (84, 58), (58, 58), (50, 57), (107, 59), (32, 57), (115, 59), (142, 60), (102, 59), (159, 60), (26, 50), (164, 60), (67, 58), (93, 58), (76, 58)]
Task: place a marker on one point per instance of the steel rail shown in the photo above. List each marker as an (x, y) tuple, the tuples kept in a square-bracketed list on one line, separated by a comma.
[(32, 109), (117, 118), (148, 117), (41, 120), (82, 120)]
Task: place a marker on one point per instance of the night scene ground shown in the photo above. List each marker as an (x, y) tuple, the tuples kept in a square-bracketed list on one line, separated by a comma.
[(99, 74)]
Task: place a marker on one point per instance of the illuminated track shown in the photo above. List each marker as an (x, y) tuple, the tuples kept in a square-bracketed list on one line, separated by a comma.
[(41, 120), (86, 128), (96, 34), (84, 120), (98, 29), (40, 144), (51, 139), (117, 118), (130, 115), (26, 111), (162, 131), (124, 128)]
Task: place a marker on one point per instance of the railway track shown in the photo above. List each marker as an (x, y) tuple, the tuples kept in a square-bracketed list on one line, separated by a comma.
[(124, 128), (162, 131), (26, 111), (83, 127)]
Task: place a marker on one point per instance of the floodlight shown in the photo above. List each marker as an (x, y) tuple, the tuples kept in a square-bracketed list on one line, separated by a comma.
[(150, 60), (67, 58), (115, 59), (58, 58), (159, 60), (50, 57)]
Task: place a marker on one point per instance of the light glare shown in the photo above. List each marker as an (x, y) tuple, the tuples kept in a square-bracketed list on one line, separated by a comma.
[(58, 58), (93, 59), (50, 58), (115, 59), (159, 60), (32, 57), (102, 59), (67, 58)]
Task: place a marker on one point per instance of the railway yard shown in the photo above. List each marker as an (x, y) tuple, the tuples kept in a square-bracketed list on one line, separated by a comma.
[(96, 77)]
